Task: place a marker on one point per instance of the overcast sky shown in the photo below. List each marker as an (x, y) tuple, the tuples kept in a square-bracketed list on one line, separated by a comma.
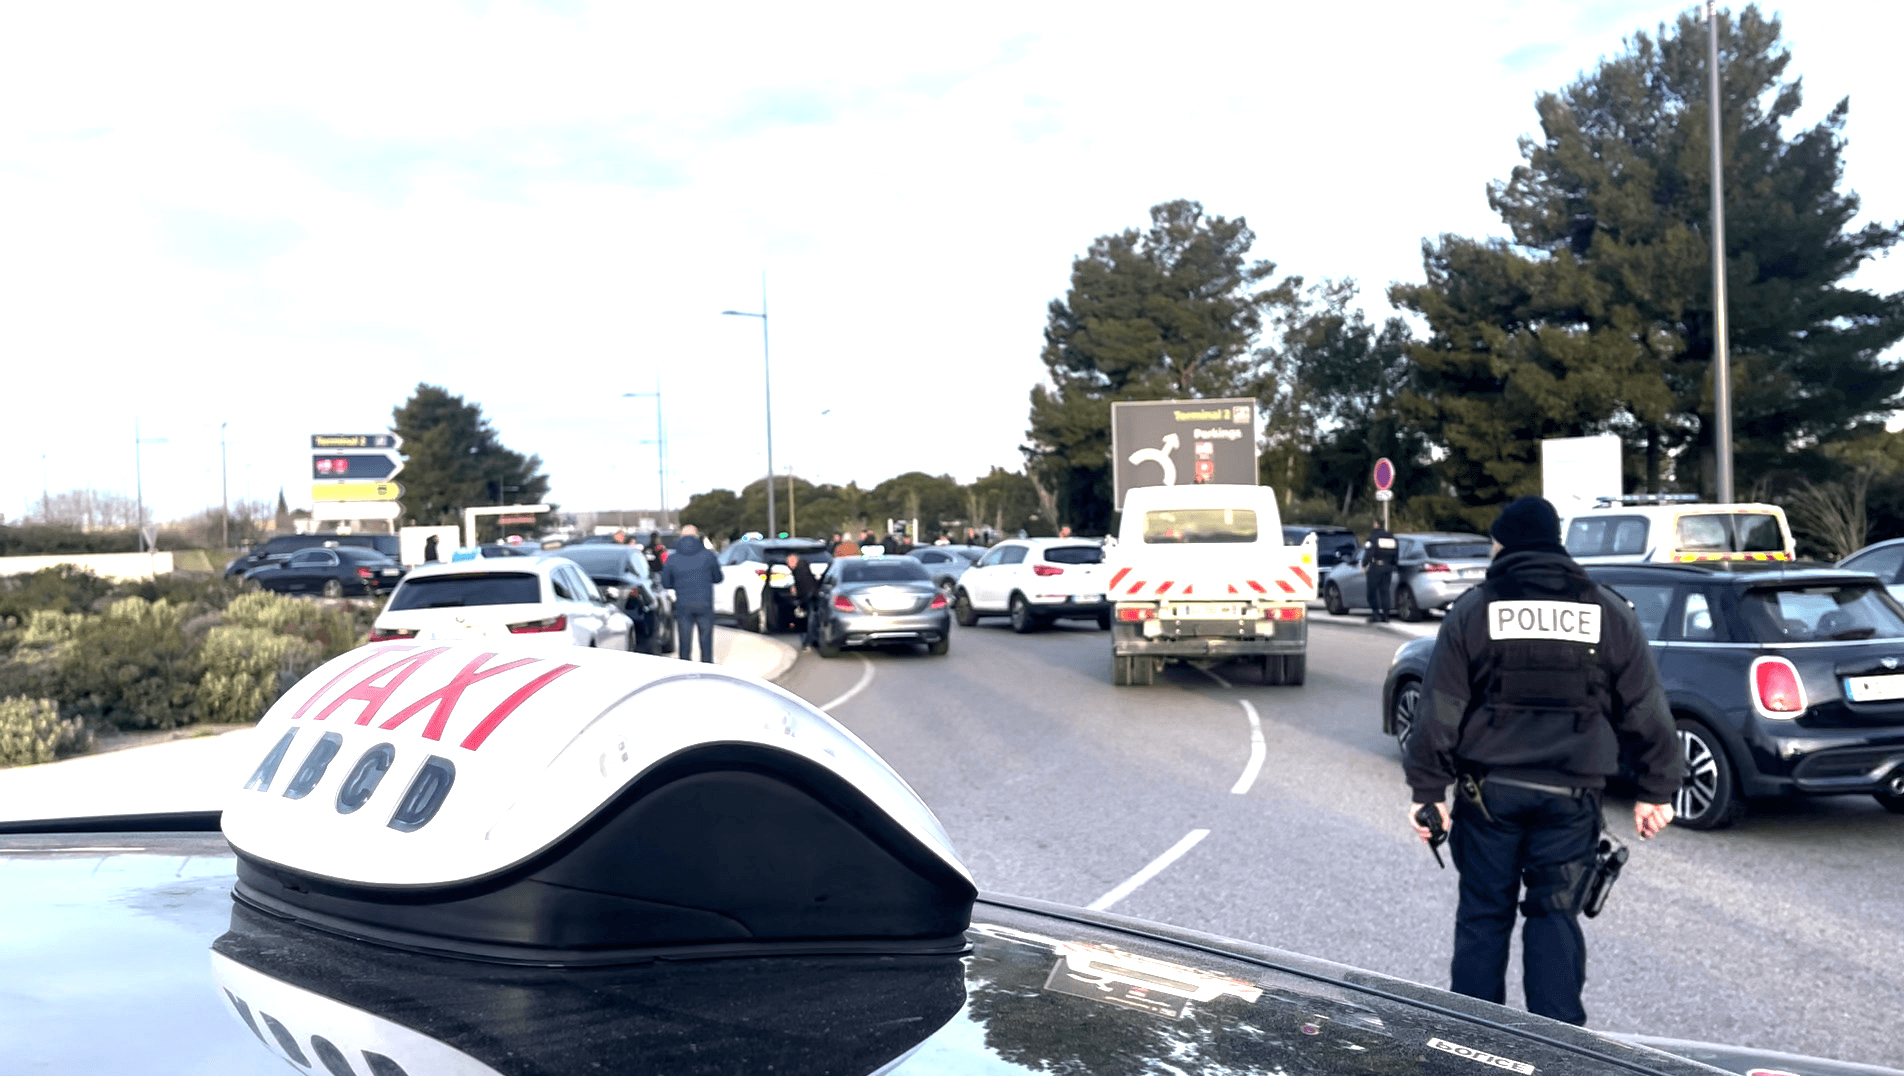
[(280, 218)]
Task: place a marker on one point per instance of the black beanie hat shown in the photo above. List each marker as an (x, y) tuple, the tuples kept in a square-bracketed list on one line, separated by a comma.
[(1529, 523)]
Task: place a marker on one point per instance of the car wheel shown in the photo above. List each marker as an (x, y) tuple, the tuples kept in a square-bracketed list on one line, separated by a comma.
[(1022, 618), (1405, 605), (743, 618), (763, 616), (1709, 797), (1104, 620), (1332, 600), (1295, 667), (939, 648), (825, 647), (333, 588), (1272, 669), (1891, 796), (962, 610), (1402, 710)]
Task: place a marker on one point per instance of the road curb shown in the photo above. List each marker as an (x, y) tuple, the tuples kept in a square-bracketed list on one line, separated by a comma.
[(756, 655)]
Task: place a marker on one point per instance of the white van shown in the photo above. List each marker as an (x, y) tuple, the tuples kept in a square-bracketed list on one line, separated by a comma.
[(1616, 533)]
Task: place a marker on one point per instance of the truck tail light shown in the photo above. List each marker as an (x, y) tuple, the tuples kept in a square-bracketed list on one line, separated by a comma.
[(536, 627), (938, 602), (1776, 688), (1136, 612), (1046, 569), (1283, 612), (384, 635), (843, 603)]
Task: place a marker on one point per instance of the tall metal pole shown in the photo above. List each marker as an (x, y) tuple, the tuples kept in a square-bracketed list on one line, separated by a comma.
[(224, 485), (138, 480), (767, 367), (661, 454), (1721, 367)]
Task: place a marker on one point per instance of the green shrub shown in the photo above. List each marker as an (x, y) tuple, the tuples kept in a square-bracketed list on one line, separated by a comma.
[(132, 667), (32, 732), (62, 588), (333, 630), (245, 669)]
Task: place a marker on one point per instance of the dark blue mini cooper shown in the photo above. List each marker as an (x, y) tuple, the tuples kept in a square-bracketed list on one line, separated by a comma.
[(1783, 681)]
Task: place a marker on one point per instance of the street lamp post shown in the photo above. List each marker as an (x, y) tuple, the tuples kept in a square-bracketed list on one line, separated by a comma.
[(661, 449), (138, 479), (1721, 366), (224, 486), (767, 371)]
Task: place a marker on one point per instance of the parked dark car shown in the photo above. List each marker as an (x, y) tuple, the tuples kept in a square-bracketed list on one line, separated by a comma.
[(621, 571), (1783, 681), (334, 573), (1334, 545), (873, 601), (278, 549), (1884, 560), (1433, 570), (947, 562)]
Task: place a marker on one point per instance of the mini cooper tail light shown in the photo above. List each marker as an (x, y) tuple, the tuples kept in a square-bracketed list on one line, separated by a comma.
[(1776, 689), (381, 635), (1046, 569), (843, 603), (546, 624), (938, 601)]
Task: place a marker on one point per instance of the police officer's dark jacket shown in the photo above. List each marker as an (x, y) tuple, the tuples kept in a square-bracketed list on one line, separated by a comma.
[(1540, 674)]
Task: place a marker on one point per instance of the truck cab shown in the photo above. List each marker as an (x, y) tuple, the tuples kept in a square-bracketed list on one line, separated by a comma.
[(1200, 574)]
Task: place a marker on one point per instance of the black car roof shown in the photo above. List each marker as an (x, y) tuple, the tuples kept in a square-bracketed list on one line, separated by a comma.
[(1737, 571)]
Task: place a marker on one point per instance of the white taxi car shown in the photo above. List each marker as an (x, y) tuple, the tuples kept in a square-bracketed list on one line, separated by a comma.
[(522, 601), (1035, 581)]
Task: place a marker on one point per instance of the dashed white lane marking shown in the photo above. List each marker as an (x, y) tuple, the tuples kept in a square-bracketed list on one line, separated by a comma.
[(864, 679), (1258, 750), (1151, 870)]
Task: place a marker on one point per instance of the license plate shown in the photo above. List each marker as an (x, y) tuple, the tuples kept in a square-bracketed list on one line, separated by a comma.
[(1473, 573), (1207, 611), (1087, 599), (893, 604), (1874, 688), (389, 571)]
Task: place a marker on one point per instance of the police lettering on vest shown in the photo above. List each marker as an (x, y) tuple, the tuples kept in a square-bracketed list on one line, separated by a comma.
[(1570, 622)]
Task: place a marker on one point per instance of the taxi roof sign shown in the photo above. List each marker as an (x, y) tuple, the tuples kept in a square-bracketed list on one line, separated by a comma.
[(581, 807)]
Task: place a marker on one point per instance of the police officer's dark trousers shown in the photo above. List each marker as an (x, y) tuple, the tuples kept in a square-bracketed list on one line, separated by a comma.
[(693, 619), (1547, 841), (1381, 588)]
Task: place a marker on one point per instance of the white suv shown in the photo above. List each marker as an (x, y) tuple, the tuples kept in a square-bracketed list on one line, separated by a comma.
[(1035, 581)]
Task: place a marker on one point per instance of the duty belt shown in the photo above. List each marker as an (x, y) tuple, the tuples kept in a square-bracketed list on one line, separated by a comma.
[(1552, 790)]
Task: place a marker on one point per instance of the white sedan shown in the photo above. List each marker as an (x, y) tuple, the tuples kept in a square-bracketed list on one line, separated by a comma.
[(518, 601)]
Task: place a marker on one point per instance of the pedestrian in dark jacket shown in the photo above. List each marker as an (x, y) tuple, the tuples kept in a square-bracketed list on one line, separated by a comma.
[(805, 587), (692, 573), (1538, 678)]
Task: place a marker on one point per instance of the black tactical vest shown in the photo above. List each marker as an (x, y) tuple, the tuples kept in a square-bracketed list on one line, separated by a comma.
[(1543, 682)]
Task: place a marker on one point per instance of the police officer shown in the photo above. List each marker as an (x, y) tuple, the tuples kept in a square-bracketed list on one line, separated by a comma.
[(1378, 557), (1539, 676)]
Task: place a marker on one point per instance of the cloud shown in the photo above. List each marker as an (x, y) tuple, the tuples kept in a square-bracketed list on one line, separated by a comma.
[(223, 242)]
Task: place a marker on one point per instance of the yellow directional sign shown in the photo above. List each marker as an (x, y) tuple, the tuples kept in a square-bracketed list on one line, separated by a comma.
[(356, 491)]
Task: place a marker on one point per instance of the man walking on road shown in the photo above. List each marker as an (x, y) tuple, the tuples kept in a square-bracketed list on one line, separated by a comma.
[(691, 572), (1378, 557), (1539, 676)]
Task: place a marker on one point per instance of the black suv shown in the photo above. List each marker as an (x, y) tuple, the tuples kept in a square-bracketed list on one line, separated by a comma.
[(1783, 680), (279, 549), (1334, 545)]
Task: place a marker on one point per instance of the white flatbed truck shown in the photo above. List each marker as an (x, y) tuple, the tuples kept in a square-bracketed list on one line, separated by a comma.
[(1200, 574)]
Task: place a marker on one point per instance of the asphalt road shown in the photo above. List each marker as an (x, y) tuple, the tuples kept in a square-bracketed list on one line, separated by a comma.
[(1782, 933)]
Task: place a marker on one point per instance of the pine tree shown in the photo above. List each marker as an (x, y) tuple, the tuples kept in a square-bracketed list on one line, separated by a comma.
[(1596, 316)]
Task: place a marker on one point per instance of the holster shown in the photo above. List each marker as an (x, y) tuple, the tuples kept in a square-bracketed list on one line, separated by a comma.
[(1468, 787)]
